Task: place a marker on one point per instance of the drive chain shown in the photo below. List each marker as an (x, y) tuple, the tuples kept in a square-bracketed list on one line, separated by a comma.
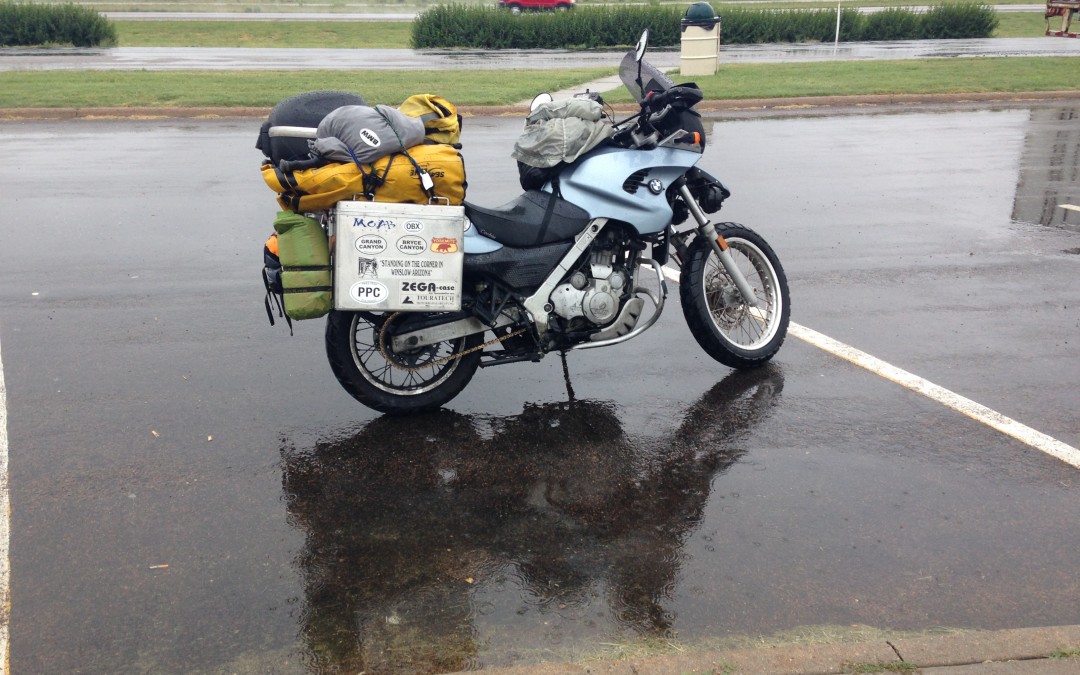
[(439, 362)]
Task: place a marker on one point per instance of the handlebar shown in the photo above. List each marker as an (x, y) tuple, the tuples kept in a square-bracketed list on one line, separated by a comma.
[(591, 96), (640, 130), (680, 96), (657, 116)]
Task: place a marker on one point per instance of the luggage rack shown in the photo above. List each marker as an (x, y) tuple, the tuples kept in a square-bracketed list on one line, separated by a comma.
[(310, 132), (1065, 9)]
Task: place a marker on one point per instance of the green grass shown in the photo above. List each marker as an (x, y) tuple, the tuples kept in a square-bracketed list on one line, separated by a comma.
[(57, 89), (407, 6), (290, 34), (1022, 24), (60, 89), (930, 76), (260, 6)]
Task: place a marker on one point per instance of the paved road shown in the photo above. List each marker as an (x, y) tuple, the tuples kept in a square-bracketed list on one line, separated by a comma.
[(192, 491), (176, 58)]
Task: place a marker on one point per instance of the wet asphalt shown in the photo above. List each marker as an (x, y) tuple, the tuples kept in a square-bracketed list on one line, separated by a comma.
[(193, 492), (246, 58)]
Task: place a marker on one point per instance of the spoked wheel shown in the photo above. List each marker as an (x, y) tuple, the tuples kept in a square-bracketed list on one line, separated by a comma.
[(358, 346), (727, 328)]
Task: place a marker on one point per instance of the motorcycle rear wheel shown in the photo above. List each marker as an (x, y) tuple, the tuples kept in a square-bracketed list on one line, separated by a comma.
[(726, 327), (396, 383)]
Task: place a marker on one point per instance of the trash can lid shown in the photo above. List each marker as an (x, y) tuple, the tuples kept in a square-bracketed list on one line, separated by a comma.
[(700, 11)]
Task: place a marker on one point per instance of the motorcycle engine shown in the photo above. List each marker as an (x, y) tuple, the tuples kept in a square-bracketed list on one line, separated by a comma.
[(595, 296)]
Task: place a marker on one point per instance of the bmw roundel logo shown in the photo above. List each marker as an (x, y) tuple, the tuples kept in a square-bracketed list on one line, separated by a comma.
[(656, 186)]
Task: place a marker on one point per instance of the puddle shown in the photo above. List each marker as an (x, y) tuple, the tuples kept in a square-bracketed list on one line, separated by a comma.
[(427, 536), (1050, 170)]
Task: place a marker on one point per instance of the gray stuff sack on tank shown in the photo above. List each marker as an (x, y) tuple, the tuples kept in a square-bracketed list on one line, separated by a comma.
[(362, 134), (561, 131)]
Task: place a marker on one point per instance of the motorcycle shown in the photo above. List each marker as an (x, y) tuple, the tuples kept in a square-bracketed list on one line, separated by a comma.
[(563, 268)]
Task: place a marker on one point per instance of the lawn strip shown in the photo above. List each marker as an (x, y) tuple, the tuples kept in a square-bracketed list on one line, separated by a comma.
[(904, 76), (1022, 24), (96, 88), (258, 89), (281, 34)]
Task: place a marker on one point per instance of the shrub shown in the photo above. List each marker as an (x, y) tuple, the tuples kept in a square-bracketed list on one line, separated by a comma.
[(962, 20), (893, 23), (753, 26), (491, 28), (24, 25)]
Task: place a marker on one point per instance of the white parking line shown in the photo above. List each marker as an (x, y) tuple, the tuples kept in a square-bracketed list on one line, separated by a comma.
[(975, 411), (5, 519)]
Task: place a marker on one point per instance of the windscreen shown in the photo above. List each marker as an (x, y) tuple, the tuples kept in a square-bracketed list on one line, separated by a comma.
[(653, 78)]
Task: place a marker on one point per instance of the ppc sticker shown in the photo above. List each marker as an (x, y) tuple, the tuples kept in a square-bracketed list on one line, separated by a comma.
[(369, 292)]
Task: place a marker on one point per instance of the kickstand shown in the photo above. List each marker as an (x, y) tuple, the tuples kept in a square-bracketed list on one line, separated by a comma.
[(566, 376)]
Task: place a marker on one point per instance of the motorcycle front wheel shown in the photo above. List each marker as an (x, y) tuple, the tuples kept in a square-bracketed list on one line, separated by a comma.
[(727, 328), (358, 348)]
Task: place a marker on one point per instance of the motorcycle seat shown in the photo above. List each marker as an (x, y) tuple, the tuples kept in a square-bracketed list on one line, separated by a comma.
[(533, 219)]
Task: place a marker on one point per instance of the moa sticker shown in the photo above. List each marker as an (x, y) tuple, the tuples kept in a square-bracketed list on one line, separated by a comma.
[(370, 244), (369, 292), (411, 245), (374, 223)]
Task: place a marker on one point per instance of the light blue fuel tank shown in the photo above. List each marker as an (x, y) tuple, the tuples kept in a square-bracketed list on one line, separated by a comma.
[(612, 182)]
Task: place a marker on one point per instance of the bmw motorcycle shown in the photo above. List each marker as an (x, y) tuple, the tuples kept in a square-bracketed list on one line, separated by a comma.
[(564, 267)]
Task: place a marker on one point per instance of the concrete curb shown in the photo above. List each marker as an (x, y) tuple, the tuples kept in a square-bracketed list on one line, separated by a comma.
[(1024, 650), (711, 106), (140, 112)]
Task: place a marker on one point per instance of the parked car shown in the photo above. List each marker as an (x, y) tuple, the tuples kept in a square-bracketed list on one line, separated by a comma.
[(518, 6)]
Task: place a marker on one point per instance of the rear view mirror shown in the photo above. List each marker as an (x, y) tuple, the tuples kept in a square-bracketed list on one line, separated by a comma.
[(539, 100), (642, 45)]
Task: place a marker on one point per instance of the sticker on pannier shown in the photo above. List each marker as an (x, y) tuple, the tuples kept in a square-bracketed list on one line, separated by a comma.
[(398, 257)]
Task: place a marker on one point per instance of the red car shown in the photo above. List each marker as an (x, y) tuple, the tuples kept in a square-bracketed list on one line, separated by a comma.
[(517, 6)]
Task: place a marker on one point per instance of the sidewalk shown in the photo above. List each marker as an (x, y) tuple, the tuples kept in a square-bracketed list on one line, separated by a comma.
[(1051, 650)]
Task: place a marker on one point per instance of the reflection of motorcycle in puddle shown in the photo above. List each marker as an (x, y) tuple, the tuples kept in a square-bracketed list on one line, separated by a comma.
[(410, 518)]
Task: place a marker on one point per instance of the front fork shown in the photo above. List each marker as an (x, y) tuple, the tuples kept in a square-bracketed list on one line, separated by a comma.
[(719, 246)]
